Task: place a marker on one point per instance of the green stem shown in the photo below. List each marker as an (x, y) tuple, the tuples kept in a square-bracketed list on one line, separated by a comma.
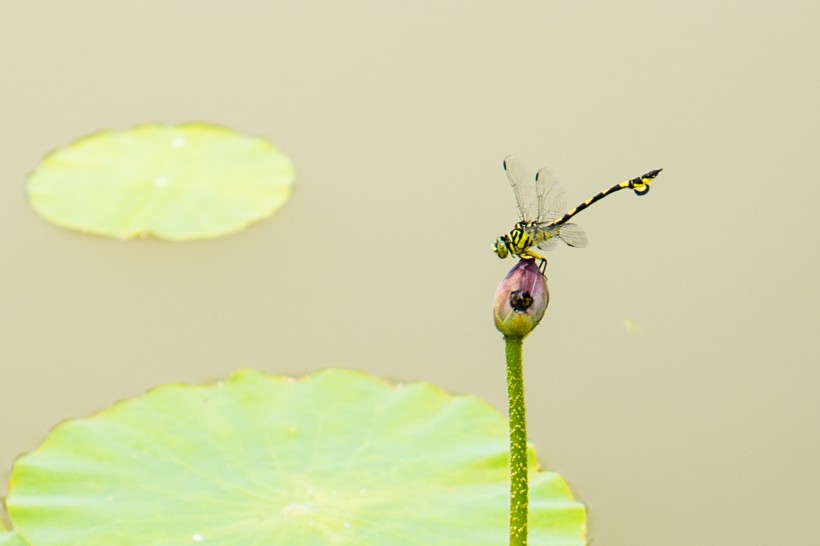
[(519, 483)]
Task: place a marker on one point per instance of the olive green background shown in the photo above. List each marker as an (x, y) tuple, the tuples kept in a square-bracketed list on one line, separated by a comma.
[(674, 380)]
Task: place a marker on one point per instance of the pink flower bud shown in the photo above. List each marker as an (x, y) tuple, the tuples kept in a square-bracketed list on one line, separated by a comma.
[(521, 299)]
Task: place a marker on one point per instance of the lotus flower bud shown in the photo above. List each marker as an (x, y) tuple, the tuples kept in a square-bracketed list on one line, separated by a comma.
[(520, 300)]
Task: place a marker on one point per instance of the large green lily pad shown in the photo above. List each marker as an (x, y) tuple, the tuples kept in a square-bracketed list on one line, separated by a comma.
[(180, 182), (334, 458)]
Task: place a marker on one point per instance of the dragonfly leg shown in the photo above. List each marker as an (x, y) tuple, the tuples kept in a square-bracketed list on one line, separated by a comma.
[(531, 255)]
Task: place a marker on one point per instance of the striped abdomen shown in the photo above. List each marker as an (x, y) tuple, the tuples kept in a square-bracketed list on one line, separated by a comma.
[(639, 185)]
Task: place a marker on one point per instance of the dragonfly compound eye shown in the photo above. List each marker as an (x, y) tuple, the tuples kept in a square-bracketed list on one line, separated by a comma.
[(500, 248)]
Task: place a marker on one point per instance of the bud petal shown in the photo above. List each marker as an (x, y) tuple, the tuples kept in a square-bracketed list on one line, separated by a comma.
[(520, 300)]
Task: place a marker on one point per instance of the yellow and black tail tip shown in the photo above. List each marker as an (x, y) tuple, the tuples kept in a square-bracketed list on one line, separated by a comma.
[(640, 185)]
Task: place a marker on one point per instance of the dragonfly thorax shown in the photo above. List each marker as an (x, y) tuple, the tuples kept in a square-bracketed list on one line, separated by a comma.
[(516, 242)]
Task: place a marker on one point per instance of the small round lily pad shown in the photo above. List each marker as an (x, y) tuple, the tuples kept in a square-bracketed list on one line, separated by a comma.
[(177, 182), (336, 457)]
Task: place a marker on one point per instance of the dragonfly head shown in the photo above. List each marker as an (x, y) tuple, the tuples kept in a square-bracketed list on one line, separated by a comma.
[(502, 246)]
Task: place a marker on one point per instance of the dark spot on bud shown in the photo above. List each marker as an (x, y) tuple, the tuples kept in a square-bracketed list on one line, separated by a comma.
[(520, 300)]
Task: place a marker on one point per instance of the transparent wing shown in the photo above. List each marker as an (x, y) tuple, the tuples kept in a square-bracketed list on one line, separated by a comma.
[(548, 244), (523, 187), (552, 199), (572, 234), (544, 235)]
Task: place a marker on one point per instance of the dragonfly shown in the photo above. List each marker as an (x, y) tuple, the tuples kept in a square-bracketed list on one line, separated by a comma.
[(542, 214)]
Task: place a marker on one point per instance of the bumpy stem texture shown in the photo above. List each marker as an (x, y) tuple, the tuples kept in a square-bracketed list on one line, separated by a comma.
[(519, 484)]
